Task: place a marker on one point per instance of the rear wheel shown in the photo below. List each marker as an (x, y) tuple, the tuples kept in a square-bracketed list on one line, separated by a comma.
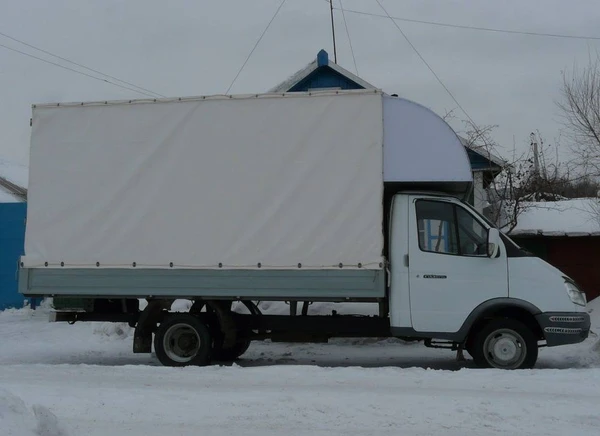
[(504, 344), (182, 340)]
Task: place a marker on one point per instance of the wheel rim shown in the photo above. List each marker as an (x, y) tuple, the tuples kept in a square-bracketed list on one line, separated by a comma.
[(181, 343), (505, 349)]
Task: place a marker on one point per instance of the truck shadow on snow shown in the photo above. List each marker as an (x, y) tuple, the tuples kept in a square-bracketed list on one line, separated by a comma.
[(301, 357), (367, 353)]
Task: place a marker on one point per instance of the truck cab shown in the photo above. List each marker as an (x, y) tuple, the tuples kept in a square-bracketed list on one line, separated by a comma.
[(453, 276)]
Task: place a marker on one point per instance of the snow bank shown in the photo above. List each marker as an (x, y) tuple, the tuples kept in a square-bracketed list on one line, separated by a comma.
[(121, 330), (181, 305), (17, 420), (317, 308), (112, 330), (44, 307), (580, 216)]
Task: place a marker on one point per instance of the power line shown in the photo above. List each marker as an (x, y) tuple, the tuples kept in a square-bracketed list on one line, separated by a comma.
[(75, 71), (255, 45), (78, 64), (349, 40), (426, 63), (484, 29)]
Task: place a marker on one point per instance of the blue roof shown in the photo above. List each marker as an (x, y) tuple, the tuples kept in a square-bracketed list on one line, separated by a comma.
[(480, 162), (324, 77)]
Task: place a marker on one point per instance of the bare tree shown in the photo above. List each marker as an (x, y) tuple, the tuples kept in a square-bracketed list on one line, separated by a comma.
[(502, 192), (533, 176), (580, 109), (536, 175)]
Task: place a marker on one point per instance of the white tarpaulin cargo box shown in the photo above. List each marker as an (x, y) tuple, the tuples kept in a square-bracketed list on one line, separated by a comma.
[(267, 181), (199, 183)]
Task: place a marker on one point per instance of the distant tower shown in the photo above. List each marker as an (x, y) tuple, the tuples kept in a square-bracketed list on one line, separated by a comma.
[(536, 156)]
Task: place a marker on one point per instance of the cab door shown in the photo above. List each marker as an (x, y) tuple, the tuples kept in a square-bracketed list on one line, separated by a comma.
[(450, 272)]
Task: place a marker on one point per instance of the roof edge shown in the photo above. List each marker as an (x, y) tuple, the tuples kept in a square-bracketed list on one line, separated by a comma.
[(483, 152), (13, 189), (265, 95)]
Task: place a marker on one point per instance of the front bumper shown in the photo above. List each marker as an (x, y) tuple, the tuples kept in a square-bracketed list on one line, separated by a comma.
[(561, 328)]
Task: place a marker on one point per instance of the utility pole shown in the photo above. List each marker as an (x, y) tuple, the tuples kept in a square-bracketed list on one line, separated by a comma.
[(536, 167), (536, 156), (333, 32)]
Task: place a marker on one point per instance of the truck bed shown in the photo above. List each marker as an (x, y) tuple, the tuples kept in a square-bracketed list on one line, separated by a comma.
[(313, 285)]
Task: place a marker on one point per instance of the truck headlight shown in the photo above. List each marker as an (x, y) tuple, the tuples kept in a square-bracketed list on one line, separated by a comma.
[(576, 296)]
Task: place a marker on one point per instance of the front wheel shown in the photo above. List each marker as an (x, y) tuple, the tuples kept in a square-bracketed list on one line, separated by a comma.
[(505, 344), (182, 340)]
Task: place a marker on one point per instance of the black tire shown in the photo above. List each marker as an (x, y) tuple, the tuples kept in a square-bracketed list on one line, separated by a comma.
[(504, 344), (230, 354), (182, 340)]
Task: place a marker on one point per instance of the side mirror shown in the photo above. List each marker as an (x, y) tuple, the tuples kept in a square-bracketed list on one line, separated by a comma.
[(493, 242)]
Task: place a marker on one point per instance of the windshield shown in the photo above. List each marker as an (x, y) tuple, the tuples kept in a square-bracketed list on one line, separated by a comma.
[(489, 223)]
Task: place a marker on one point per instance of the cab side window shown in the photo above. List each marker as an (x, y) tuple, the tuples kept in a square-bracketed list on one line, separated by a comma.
[(437, 227), (471, 234), (449, 229)]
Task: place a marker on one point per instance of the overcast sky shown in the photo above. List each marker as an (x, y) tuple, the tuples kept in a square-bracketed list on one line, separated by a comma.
[(183, 48)]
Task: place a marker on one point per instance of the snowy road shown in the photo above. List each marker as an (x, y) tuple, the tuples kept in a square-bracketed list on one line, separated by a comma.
[(95, 386)]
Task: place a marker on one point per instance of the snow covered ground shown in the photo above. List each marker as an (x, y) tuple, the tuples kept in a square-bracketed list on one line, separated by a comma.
[(58, 380)]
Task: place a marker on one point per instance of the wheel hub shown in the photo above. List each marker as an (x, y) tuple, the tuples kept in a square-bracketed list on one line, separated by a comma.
[(186, 342), (505, 349), (181, 343)]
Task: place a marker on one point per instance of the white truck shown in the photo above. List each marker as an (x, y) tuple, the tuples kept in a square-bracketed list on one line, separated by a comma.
[(330, 196)]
